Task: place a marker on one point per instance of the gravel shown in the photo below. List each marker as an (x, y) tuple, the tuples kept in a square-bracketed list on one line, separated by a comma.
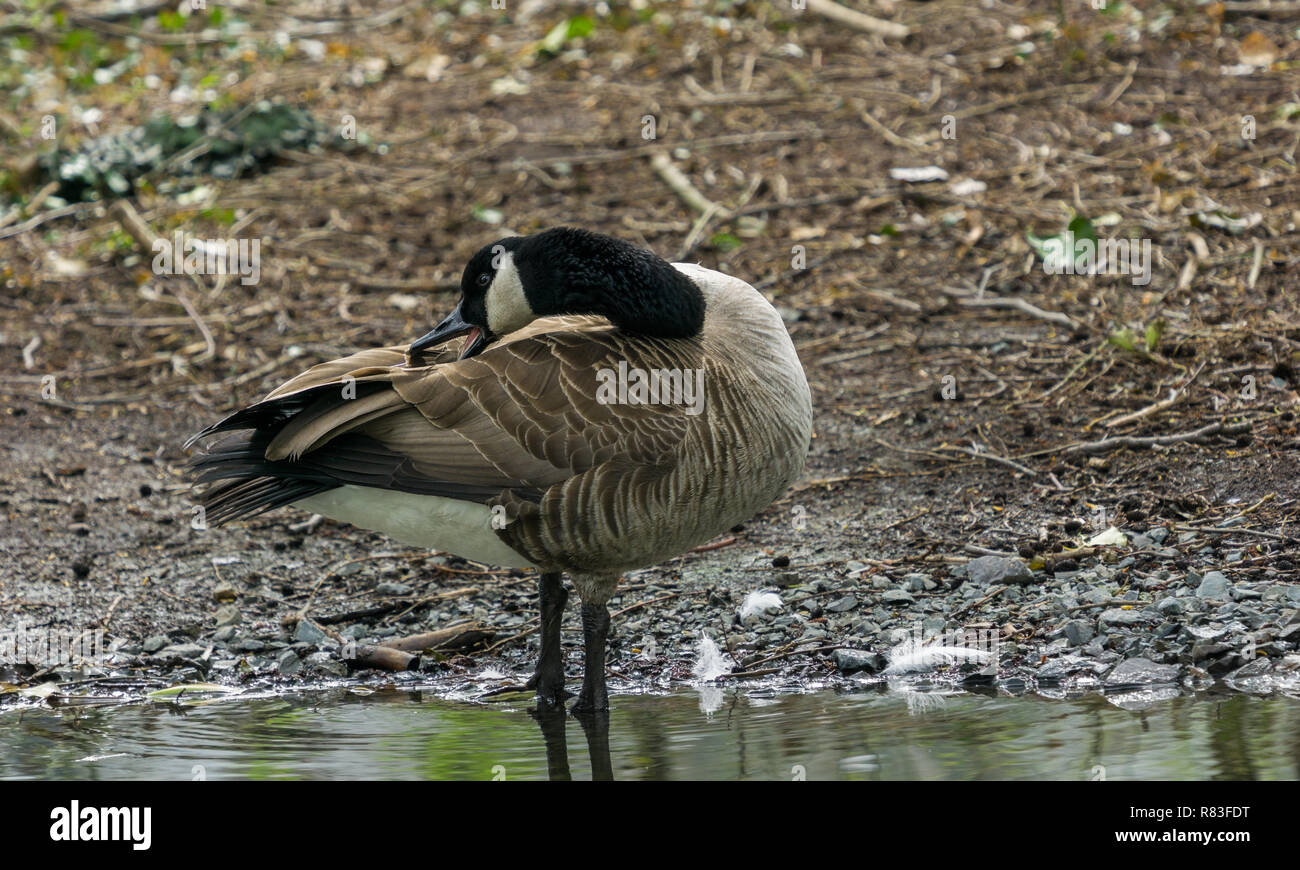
[(1178, 621)]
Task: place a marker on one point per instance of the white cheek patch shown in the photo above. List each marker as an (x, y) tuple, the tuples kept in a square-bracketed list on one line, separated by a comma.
[(507, 307)]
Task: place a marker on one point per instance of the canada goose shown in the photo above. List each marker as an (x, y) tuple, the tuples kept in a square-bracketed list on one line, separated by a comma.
[(517, 448)]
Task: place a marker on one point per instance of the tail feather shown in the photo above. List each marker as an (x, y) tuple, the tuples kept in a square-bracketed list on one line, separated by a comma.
[(239, 481), (271, 414)]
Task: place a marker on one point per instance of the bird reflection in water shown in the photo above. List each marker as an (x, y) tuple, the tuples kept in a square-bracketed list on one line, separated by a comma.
[(553, 720)]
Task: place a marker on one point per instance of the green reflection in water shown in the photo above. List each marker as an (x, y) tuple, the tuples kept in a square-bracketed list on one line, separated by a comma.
[(823, 735)]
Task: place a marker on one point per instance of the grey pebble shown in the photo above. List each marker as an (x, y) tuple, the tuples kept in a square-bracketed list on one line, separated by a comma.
[(990, 570), (1214, 586)]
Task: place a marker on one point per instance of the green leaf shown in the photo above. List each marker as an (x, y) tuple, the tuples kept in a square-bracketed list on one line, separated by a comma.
[(1050, 249), (1054, 250), (573, 28), (1082, 228), (580, 26), (492, 216), (191, 689), (170, 20), (1154, 331), (554, 41), (725, 241), (1123, 338)]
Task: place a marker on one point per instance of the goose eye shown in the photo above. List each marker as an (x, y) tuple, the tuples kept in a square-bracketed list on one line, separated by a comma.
[(485, 279)]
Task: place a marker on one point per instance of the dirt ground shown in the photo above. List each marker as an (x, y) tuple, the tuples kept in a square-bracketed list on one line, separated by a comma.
[(959, 389)]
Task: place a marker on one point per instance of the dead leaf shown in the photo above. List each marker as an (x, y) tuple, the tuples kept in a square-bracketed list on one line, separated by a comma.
[(1257, 50)]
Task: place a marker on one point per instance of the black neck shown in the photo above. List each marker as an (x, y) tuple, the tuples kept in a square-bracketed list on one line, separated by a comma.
[(572, 271)]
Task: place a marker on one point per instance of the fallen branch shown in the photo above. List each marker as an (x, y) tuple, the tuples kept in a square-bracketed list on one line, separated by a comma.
[(1106, 445), (1229, 530), (663, 166), (715, 545), (136, 227), (993, 457), (986, 599), (860, 20), (1027, 308), (384, 658), (1157, 407), (1110, 602), (455, 637), (405, 605)]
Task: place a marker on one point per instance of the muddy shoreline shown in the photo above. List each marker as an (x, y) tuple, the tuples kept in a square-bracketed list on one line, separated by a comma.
[(104, 544)]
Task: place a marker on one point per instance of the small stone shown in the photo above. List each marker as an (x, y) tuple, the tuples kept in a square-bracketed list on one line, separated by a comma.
[(288, 663), (1214, 586), (990, 570), (227, 615), (1142, 672), (1119, 616), (842, 605), (181, 651), (1095, 596), (897, 596), (1170, 606), (391, 588), (851, 661), (329, 665), (1205, 649), (224, 592), (308, 633), (1078, 632), (154, 643), (225, 634)]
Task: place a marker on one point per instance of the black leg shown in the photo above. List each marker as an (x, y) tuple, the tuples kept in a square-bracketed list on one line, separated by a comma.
[(549, 678), (596, 727), (595, 629), (550, 718)]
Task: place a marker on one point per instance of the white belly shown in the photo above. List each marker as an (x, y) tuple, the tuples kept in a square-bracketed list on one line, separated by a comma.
[(459, 527)]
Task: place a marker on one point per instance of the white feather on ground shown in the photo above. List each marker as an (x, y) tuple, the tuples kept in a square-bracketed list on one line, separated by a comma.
[(910, 657), (710, 662), (757, 603)]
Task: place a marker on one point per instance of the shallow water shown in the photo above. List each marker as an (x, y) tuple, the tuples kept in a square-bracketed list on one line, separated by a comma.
[(338, 734)]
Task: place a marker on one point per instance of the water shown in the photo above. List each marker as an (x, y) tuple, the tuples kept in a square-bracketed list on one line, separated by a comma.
[(338, 734)]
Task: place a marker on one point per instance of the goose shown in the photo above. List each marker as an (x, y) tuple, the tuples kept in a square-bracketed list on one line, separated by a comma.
[(606, 411)]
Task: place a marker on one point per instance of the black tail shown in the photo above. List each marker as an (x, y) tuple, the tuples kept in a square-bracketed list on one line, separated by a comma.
[(238, 481)]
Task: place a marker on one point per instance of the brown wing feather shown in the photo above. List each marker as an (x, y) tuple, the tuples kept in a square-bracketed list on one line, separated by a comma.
[(522, 414)]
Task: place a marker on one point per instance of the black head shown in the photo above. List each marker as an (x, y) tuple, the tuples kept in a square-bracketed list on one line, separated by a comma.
[(513, 281)]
